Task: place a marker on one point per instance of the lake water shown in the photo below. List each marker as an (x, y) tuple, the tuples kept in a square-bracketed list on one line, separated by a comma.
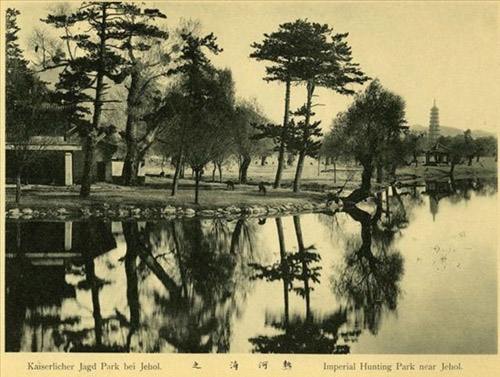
[(416, 275)]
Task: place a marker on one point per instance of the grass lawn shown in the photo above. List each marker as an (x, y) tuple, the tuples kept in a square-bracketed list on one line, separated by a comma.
[(156, 191), (155, 194)]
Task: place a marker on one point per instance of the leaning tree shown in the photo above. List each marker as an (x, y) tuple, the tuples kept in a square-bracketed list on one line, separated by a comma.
[(372, 125)]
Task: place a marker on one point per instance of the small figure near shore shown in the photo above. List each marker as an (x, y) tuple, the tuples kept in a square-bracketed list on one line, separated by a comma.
[(230, 185)]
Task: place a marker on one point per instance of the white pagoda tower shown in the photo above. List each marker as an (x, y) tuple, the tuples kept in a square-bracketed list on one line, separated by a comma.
[(434, 125)]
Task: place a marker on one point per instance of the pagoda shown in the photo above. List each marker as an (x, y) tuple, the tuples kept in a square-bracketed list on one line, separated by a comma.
[(434, 125), (436, 153)]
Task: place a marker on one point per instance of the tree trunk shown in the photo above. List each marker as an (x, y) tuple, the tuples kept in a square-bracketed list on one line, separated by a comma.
[(90, 138), (213, 171), (387, 203), (477, 158), (239, 168), (182, 172), (380, 173), (96, 305), (129, 172), (281, 163), (298, 171), (281, 154), (305, 278), (319, 165), (178, 255), (219, 166), (18, 187), (131, 237), (284, 268), (263, 160), (130, 166), (452, 168), (159, 272), (244, 169), (175, 181), (197, 185), (307, 121), (366, 176), (88, 165), (334, 172), (470, 160)]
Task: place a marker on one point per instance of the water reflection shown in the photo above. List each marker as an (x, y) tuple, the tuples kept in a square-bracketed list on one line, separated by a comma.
[(369, 279), (301, 284), (457, 190), (299, 272)]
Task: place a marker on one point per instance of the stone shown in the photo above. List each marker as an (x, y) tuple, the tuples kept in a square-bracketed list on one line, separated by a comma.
[(207, 213), (272, 211), (123, 212), (14, 212), (136, 212), (168, 210), (233, 209), (259, 210), (85, 211), (189, 212)]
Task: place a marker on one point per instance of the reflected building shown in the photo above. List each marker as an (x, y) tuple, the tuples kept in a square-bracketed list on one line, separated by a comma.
[(437, 190), (39, 256)]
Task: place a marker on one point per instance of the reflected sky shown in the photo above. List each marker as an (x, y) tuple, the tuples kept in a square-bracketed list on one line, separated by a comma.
[(413, 271)]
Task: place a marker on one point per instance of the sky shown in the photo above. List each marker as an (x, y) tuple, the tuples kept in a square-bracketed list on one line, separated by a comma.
[(447, 51)]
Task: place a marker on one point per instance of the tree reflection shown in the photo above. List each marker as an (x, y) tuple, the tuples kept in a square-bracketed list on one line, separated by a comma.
[(299, 335), (369, 279), (131, 254), (205, 289), (298, 271)]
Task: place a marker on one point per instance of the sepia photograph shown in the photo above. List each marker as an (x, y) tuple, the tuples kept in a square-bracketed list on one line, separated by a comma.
[(250, 177)]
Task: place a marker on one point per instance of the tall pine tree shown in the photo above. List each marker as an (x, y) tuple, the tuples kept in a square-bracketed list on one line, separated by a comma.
[(92, 28)]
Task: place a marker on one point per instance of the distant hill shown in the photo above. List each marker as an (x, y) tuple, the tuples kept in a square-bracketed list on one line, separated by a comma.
[(451, 131)]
